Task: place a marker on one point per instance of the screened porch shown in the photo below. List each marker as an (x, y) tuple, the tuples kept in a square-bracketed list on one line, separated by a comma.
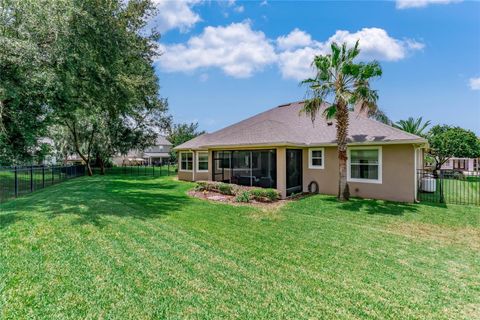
[(256, 168)]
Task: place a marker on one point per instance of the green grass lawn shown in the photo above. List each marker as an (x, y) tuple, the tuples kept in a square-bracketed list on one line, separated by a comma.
[(140, 248), (456, 191)]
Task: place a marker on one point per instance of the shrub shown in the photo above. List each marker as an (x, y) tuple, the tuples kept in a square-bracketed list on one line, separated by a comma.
[(202, 186), (265, 195), (243, 196), (225, 188)]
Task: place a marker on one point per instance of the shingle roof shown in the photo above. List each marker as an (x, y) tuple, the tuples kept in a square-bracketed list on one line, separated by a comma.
[(284, 125), (162, 141)]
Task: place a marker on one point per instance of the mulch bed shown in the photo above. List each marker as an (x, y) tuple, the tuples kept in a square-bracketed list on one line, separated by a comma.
[(222, 198)]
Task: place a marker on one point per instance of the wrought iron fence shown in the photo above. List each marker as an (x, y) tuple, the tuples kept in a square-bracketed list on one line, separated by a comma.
[(20, 180), (449, 186), (166, 169)]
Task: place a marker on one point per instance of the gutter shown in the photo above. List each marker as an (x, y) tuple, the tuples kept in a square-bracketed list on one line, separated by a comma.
[(418, 142)]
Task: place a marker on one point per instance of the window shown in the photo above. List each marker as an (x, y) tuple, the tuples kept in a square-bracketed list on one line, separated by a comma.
[(315, 158), (202, 161), (365, 164), (186, 161)]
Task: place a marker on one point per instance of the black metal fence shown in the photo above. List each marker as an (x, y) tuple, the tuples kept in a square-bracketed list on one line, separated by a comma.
[(20, 180), (166, 169), (449, 186)]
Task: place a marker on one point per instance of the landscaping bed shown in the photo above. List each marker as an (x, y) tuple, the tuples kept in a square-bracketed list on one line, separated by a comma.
[(236, 194)]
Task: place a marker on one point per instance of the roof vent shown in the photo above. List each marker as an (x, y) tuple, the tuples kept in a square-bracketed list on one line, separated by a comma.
[(329, 123), (284, 105)]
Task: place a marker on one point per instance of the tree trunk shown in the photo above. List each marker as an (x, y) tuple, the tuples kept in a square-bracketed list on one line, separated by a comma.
[(73, 131), (102, 166), (342, 132)]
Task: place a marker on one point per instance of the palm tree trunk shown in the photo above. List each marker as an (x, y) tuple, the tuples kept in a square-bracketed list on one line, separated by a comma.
[(342, 133)]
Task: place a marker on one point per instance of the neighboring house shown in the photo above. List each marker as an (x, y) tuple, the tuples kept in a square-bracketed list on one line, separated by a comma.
[(462, 164), (157, 154), (283, 149)]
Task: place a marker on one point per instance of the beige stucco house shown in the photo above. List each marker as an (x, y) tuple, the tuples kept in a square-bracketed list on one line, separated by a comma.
[(154, 155), (281, 148)]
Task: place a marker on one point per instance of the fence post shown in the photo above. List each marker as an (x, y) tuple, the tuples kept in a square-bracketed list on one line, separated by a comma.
[(31, 178), (43, 176), (53, 174), (440, 180), (153, 169), (16, 181)]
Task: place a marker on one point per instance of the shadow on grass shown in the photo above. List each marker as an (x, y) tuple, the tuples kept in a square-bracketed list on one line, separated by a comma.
[(8, 219), (93, 199), (371, 206)]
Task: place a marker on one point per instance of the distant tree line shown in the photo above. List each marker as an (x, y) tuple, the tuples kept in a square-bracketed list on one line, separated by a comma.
[(444, 141)]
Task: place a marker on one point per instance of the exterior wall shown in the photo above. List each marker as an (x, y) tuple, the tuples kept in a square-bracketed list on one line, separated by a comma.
[(282, 171), (398, 175), (469, 164), (195, 175)]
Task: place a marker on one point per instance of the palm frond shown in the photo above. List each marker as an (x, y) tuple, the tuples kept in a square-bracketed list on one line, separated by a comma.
[(311, 107), (412, 125), (330, 112)]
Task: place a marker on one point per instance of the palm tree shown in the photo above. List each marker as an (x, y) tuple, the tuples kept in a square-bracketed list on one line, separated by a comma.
[(339, 84), (412, 125)]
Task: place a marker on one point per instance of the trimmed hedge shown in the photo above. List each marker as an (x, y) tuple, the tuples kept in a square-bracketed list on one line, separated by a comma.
[(220, 187), (265, 195), (242, 194)]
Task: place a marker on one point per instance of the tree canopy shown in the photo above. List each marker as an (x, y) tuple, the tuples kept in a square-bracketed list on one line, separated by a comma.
[(447, 142), (86, 65), (182, 132)]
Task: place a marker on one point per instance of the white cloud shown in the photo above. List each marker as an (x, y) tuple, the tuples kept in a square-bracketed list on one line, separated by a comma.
[(296, 38), (297, 64), (474, 83), (375, 43), (239, 51), (175, 14), (263, 3), (236, 49), (239, 9), (405, 4)]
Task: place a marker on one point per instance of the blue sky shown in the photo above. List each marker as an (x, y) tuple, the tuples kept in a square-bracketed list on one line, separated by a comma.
[(225, 61)]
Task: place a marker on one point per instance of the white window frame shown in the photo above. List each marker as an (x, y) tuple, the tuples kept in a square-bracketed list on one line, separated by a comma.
[(180, 158), (380, 165), (198, 160), (310, 162)]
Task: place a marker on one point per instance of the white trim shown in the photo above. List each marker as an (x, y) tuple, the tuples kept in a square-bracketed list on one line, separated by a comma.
[(310, 165), (415, 175), (380, 165), (193, 165), (198, 157), (180, 160)]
